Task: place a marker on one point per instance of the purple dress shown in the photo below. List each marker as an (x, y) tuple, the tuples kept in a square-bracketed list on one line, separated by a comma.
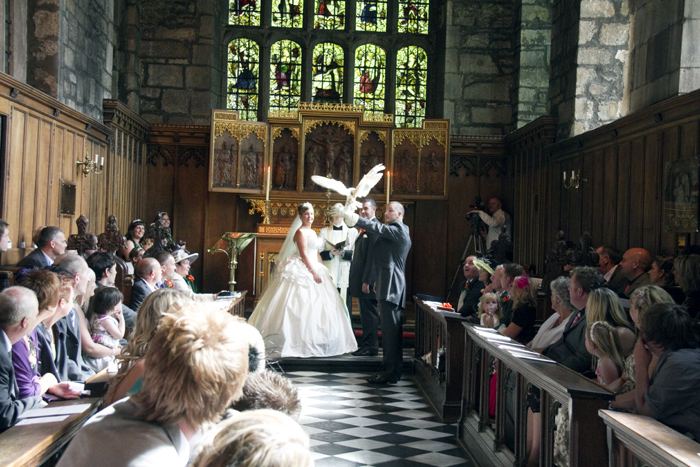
[(24, 360)]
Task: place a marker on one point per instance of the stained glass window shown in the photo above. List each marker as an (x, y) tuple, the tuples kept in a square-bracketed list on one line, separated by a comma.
[(327, 80), (285, 75), (411, 76), (371, 15), (244, 12), (243, 88), (329, 14), (370, 74), (287, 13), (413, 16)]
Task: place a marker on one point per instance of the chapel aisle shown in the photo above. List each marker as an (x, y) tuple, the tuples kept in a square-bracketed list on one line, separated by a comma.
[(353, 423)]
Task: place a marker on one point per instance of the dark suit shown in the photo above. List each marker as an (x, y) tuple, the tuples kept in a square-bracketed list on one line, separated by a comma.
[(639, 281), (618, 282), (44, 357), (36, 259), (471, 290), (389, 257), (362, 271), (570, 350), (139, 292), (10, 406), (69, 355)]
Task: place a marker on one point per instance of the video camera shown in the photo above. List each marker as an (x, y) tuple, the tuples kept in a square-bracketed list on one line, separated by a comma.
[(478, 205)]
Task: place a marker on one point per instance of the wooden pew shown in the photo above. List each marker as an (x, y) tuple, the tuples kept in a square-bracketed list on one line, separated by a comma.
[(32, 445), (635, 437), (485, 438), (438, 359)]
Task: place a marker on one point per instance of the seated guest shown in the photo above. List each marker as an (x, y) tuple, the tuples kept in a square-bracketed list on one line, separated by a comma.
[(134, 234), (485, 271), (106, 324), (195, 368), (148, 274), (686, 270), (50, 244), (522, 324), (510, 272), (52, 354), (635, 264), (661, 274), (604, 305), (490, 313), (131, 360), (603, 343), (53, 293), (69, 326), (552, 329), (19, 313), (183, 259), (671, 394), (640, 301), (609, 266), (104, 266), (135, 255), (269, 390), (258, 438), (471, 290), (570, 350), (5, 241)]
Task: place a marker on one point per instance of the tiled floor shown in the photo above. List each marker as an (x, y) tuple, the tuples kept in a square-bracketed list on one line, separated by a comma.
[(353, 423)]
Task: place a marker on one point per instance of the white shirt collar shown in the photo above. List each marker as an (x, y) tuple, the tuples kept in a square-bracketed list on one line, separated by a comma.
[(49, 261), (609, 274)]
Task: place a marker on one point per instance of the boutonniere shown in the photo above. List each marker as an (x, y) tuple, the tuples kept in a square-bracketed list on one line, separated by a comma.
[(169, 284), (190, 277), (362, 230), (505, 299), (482, 291)]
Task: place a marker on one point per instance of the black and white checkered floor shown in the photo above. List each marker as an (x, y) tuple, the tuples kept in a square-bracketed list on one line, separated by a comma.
[(353, 423)]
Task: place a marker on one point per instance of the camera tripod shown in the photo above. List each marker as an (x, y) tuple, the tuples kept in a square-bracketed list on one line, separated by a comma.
[(479, 248)]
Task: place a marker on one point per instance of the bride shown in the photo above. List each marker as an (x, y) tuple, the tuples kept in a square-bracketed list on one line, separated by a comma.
[(300, 305)]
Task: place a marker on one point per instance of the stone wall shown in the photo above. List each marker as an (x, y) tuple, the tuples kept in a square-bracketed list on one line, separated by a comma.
[(665, 50), (86, 47), (562, 80), (179, 61), (532, 33), (602, 60), (127, 63), (479, 67)]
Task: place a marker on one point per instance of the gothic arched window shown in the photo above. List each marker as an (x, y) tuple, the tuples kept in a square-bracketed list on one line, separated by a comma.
[(311, 46)]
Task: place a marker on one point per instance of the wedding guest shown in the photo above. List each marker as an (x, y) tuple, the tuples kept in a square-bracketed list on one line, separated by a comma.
[(19, 314), (148, 274), (471, 290), (131, 359), (257, 438), (671, 394), (269, 390), (196, 355), (522, 324), (180, 276), (134, 234), (552, 329), (50, 244), (661, 274), (686, 269)]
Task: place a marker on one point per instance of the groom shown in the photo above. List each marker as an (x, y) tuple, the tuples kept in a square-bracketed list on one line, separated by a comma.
[(389, 252)]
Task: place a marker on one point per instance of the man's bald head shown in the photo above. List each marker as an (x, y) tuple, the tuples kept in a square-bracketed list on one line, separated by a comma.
[(149, 269), (17, 303), (635, 262)]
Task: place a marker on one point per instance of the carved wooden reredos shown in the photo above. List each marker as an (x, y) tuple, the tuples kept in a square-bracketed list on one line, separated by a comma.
[(340, 141)]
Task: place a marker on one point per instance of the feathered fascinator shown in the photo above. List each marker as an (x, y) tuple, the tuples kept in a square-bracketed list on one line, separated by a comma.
[(522, 282)]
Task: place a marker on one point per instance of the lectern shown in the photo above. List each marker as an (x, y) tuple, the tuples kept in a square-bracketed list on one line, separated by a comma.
[(232, 243)]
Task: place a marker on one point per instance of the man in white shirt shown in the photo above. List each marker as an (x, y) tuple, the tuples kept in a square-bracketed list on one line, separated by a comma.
[(498, 221)]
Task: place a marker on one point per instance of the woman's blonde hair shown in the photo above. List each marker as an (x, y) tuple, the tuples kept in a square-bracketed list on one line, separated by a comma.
[(687, 272), (147, 319), (604, 305), (257, 438), (523, 292), (648, 295), (604, 336), (482, 303), (195, 367)]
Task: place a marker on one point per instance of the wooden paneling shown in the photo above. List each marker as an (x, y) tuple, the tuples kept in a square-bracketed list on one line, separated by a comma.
[(44, 138), (623, 163)]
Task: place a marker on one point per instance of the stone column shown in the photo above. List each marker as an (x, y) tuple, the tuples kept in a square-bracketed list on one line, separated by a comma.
[(42, 45)]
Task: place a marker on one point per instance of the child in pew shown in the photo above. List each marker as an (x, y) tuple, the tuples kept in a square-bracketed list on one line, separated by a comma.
[(106, 323), (602, 341), (490, 312)]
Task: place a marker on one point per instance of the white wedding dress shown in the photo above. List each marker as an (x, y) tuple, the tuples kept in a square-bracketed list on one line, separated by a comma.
[(305, 318)]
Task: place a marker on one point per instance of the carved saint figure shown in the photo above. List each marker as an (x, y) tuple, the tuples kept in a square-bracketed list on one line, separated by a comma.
[(284, 175)]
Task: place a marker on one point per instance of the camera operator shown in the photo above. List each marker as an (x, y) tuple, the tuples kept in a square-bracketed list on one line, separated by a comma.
[(497, 221)]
